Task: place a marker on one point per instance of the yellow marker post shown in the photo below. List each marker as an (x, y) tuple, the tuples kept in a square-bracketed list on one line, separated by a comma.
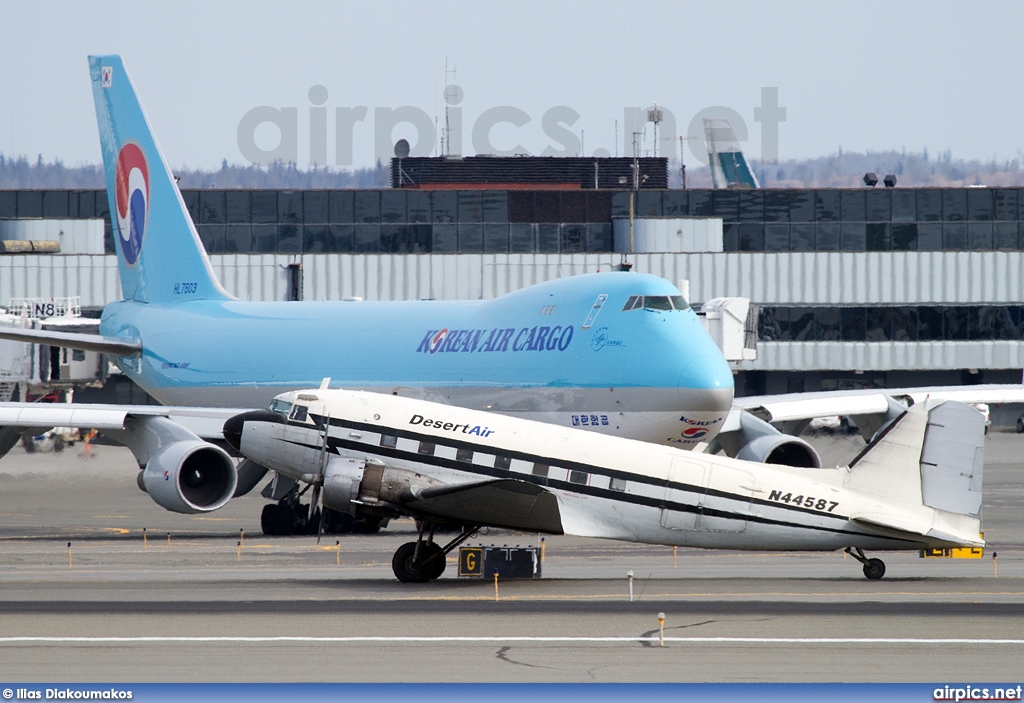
[(241, 536), (168, 540), (629, 578), (495, 585), (238, 556), (675, 557), (70, 562), (661, 629), (542, 550), (337, 551), (145, 541), (995, 569)]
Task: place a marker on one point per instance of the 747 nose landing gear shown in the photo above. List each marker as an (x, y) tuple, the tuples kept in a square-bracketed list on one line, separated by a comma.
[(874, 569)]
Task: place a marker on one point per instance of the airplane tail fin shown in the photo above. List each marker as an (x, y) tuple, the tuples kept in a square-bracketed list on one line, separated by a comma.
[(929, 464), (159, 253), (729, 167)]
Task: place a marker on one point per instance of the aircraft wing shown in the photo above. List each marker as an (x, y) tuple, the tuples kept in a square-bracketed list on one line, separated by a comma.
[(805, 406), (506, 503), (206, 423), (115, 346)]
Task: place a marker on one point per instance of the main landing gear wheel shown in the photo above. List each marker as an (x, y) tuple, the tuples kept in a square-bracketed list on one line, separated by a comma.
[(409, 569), (874, 569)]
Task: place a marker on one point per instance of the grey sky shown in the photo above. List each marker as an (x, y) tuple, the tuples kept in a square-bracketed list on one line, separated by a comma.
[(864, 75)]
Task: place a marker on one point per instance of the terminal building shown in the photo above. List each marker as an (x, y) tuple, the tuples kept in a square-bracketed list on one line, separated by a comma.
[(854, 288)]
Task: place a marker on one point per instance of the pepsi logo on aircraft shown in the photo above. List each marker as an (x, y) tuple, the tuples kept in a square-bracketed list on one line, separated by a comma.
[(131, 189)]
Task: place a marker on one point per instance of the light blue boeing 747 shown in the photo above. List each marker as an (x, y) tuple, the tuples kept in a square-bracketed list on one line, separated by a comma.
[(617, 353)]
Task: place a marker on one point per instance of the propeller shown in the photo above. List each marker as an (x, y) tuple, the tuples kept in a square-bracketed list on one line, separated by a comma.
[(315, 501)]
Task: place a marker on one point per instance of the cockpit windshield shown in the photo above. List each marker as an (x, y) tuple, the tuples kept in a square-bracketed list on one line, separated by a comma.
[(280, 406), (656, 302)]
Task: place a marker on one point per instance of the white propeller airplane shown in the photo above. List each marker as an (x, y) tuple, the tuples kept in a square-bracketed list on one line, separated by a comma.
[(916, 486)]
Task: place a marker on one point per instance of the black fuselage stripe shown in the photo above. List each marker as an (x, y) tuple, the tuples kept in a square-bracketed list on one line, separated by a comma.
[(567, 464), (586, 489)]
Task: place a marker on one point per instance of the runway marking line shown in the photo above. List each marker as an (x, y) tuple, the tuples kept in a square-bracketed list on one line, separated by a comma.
[(456, 639)]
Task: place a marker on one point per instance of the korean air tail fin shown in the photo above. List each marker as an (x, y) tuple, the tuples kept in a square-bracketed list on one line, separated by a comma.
[(928, 464), (729, 167), (160, 256)]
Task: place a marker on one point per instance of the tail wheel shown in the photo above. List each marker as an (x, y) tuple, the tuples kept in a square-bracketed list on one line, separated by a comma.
[(874, 569)]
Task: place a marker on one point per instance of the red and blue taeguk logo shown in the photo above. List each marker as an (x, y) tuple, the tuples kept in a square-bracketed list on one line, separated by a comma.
[(438, 340), (131, 187), (694, 432)]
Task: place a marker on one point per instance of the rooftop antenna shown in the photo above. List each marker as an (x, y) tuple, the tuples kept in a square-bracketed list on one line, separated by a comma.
[(655, 116), (446, 139)]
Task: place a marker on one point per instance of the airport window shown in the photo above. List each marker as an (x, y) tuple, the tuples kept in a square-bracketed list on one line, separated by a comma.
[(471, 238), (520, 206), (212, 237), (929, 236), (541, 470), (264, 206), (502, 462), (464, 455), (599, 206), (617, 484), (581, 477), (727, 205), (673, 204), (826, 325), (1004, 236), (751, 237), (315, 207), (392, 206), (315, 239), (418, 206), (776, 237), (548, 238), (904, 324), (702, 203), (979, 236), (471, 207), (751, 206), (366, 206), (394, 239), (86, 203), (801, 206), (801, 237), (55, 204), (191, 198), (264, 238), (496, 238), (211, 207), (929, 205), (289, 239), (237, 239), (599, 237), (826, 206), (878, 205), (980, 204), (852, 205), (299, 413), (341, 207), (904, 237), (30, 203), (904, 205), (366, 238), (237, 207), (103, 207), (826, 236), (426, 448), (954, 235), (852, 324), (573, 238), (521, 237), (648, 204), (389, 440), (1004, 202), (776, 206), (877, 237), (445, 206), (954, 204), (445, 238), (495, 206), (8, 204), (852, 236)]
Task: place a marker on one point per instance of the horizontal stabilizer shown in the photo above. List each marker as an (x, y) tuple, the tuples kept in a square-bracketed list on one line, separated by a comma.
[(516, 505), (114, 346), (901, 527)]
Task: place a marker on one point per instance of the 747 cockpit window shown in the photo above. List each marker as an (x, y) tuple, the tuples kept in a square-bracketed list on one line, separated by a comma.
[(656, 302), (280, 406)]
